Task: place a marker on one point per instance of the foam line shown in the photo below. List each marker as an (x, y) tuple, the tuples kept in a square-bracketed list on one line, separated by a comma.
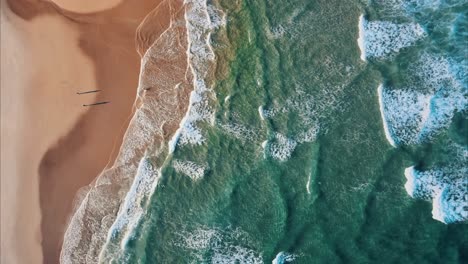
[(388, 135), (409, 185), (260, 112), (445, 187), (201, 20), (133, 209), (381, 39), (361, 39), (283, 257)]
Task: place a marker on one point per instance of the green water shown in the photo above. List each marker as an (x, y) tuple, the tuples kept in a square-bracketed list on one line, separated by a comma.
[(338, 198)]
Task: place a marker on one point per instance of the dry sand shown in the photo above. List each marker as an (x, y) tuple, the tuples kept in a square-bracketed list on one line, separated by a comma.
[(50, 145)]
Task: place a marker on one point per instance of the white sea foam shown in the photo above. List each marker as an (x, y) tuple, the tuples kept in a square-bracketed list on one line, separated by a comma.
[(239, 131), (189, 168), (449, 205), (384, 120), (201, 20), (446, 80), (445, 187), (404, 114), (223, 244), (132, 210), (410, 117), (444, 104), (421, 111), (409, 185), (361, 38), (198, 110), (260, 112), (381, 39), (236, 254), (310, 135), (281, 147), (200, 239), (434, 72), (283, 257)]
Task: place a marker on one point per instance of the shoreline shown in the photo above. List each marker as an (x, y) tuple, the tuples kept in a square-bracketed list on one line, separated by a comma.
[(66, 145), (388, 135), (153, 112), (361, 39)]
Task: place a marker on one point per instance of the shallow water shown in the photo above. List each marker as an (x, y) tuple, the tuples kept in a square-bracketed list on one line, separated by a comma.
[(297, 140)]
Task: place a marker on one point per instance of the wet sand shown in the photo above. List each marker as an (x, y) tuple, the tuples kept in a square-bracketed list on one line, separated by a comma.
[(51, 144), (164, 87)]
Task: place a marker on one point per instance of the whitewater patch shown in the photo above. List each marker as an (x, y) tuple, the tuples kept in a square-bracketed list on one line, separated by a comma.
[(447, 81), (404, 114), (283, 257), (202, 20), (361, 39), (238, 131), (131, 212), (435, 71), (281, 147), (411, 117), (189, 168), (198, 110), (444, 105), (221, 246), (444, 187), (425, 108), (94, 231), (260, 113), (383, 39)]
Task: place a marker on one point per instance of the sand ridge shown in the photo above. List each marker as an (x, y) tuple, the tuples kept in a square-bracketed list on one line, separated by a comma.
[(162, 100)]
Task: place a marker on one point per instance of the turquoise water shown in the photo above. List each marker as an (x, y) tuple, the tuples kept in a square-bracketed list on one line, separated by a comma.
[(295, 164)]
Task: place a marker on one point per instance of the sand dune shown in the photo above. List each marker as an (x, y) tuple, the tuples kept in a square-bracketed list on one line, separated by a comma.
[(51, 145)]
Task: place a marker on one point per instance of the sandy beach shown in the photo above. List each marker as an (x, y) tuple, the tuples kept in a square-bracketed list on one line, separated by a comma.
[(51, 144)]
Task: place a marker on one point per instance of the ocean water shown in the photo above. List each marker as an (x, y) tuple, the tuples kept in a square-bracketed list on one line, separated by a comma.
[(317, 132)]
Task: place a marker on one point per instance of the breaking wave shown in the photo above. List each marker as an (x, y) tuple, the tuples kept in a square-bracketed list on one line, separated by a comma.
[(283, 257), (201, 21), (417, 114), (383, 39), (404, 114), (444, 187), (106, 217), (131, 212), (421, 108)]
